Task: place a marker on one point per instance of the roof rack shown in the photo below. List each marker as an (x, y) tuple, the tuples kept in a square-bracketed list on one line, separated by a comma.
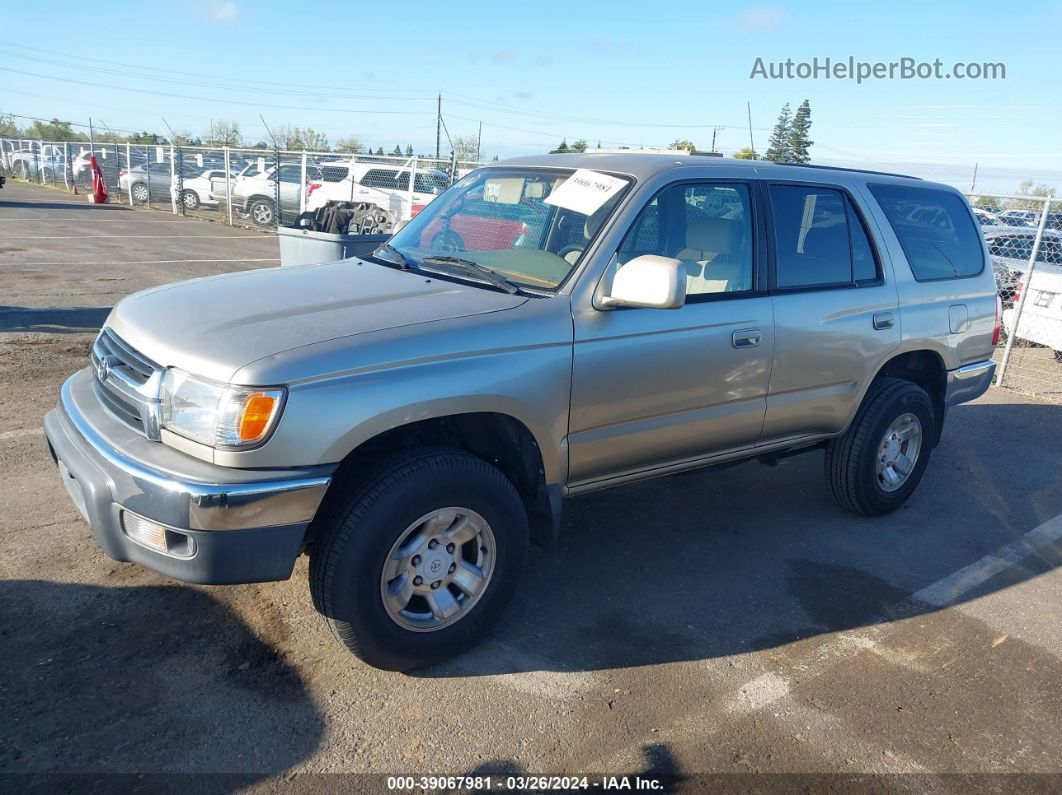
[(855, 170)]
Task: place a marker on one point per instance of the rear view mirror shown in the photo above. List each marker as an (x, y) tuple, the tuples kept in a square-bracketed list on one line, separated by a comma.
[(650, 282)]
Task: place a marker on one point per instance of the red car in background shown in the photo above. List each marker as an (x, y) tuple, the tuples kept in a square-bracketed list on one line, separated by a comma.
[(475, 226)]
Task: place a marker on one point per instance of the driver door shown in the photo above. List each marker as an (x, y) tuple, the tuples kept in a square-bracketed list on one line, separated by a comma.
[(656, 387)]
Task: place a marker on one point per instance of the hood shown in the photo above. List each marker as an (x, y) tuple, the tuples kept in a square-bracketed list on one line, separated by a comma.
[(216, 325)]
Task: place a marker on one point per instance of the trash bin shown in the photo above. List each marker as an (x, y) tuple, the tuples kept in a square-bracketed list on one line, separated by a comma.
[(334, 231), (306, 247)]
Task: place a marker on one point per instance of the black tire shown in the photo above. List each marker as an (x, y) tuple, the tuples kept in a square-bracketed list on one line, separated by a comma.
[(852, 458), (355, 536), (448, 241), (262, 212), (190, 200)]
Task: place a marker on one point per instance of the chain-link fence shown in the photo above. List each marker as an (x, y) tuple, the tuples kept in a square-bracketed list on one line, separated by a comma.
[(1024, 237), (258, 188)]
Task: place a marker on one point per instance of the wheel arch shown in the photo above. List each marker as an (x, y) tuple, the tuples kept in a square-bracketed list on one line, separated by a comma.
[(926, 368), (498, 437)]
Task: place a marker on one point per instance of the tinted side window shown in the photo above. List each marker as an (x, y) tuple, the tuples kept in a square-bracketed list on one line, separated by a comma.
[(811, 236), (708, 226), (935, 229)]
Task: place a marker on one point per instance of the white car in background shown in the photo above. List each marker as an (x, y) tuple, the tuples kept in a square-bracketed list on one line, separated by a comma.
[(1041, 317), (383, 184), (197, 192), (255, 191)]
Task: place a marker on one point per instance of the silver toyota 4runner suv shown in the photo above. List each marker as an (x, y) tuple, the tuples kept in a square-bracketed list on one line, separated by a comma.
[(547, 327)]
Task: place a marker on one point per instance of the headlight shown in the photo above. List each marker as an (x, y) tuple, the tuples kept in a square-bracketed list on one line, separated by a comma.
[(218, 415)]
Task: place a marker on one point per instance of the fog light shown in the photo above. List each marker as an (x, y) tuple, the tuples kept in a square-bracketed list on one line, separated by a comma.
[(144, 532), (156, 536)]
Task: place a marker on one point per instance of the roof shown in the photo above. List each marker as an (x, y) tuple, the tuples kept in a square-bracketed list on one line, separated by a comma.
[(643, 165)]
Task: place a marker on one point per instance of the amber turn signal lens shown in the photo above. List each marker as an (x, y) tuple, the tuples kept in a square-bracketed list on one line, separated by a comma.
[(257, 411)]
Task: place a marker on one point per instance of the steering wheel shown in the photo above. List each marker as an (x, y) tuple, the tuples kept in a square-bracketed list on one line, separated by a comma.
[(569, 249)]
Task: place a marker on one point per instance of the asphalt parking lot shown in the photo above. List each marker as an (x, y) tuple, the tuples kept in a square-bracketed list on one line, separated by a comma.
[(722, 622)]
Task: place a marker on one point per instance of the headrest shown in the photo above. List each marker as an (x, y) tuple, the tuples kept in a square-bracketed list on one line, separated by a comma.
[(711, 234)]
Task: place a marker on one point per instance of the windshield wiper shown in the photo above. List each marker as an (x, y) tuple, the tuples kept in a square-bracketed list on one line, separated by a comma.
[(474, 269), (403, 261)]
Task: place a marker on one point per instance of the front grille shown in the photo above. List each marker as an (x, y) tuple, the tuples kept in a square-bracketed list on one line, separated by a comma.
[(126, 383)]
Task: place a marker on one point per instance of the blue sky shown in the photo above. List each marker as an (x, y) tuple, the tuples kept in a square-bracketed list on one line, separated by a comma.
[(622, 73)]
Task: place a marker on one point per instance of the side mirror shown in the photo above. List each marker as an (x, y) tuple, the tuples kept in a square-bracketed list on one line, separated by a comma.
[(650, 282)]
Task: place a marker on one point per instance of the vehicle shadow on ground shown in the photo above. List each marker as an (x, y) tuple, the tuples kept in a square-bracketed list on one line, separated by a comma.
[(53, 319), (128, 679), (725, 562)]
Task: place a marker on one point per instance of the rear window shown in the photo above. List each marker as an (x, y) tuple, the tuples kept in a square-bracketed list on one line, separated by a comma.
[(935, 228)]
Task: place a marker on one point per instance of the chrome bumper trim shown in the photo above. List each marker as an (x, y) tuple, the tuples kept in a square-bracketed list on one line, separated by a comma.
[(191, 504), (969, 382)]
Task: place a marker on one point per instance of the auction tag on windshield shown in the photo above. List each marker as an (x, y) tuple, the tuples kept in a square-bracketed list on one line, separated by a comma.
[(159, 157), (585, 191), (261, 164), (199, 159)]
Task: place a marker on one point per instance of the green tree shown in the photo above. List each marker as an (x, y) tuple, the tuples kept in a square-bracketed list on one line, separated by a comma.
[(562, 148), (379, 151), (798, 142), (778, 143), (350, 145), (409, 150), (579, 145), (466, 147), (53, 130), (301, 138), (397, 151), (683, 144), (746, 154), (8, 128), (1028, 189), (224, 133)]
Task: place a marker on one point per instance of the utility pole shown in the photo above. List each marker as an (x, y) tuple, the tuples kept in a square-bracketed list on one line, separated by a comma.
[(479, 141), (714, 131), (752, 146), (973, 183), (438, 125), (92, 147)]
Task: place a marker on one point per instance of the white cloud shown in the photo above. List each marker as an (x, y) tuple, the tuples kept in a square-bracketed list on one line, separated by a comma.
[(222, 11), (759, 18)]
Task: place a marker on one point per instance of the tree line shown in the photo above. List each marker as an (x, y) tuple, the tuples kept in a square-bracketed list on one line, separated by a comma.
[(790, 140)]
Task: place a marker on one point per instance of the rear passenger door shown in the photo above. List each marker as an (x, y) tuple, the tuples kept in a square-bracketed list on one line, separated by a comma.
[(836, 317)]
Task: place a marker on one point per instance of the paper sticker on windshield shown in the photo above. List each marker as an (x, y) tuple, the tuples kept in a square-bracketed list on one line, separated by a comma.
[(585, 191)]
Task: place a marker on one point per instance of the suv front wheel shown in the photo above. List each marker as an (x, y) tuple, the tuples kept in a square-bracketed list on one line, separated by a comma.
[(877, 464), (412, 564)]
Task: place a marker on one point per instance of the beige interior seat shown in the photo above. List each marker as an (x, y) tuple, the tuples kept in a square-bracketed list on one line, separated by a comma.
[(714, 256)]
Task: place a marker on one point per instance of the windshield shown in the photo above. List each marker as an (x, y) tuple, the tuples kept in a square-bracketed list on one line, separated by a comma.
[(516, 221)]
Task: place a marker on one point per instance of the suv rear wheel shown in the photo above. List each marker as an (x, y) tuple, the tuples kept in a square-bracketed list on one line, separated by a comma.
[(417, 560), (877, 464)]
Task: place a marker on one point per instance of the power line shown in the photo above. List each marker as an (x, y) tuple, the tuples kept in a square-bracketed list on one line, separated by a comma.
[(214, 99)]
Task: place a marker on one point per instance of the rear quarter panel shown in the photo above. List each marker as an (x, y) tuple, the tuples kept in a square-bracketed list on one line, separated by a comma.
[(925, 307)]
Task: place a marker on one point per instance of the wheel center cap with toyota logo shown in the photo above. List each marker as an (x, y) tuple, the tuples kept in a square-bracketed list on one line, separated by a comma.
[(434, 566)]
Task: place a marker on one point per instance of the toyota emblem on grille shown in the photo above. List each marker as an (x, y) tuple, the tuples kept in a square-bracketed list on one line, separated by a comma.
[(103, 369)]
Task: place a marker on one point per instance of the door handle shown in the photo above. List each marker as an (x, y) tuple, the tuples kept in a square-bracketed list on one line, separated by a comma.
[(884, 320), (746, 338)]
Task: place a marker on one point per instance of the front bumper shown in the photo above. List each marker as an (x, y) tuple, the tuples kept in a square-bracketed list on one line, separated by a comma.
[(969, 382), (244, 525)]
